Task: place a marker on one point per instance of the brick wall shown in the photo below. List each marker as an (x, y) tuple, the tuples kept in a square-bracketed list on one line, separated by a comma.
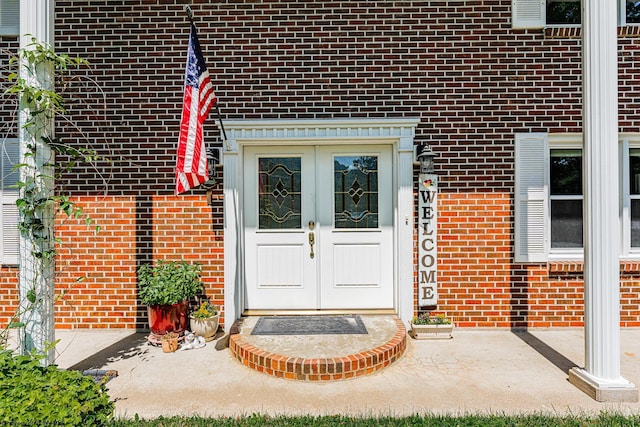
[(457, 65), (97, 272)]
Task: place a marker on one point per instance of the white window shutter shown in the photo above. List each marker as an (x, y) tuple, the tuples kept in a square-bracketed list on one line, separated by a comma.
[(9, 234), (531, 197), (10, 17), (528, 13)]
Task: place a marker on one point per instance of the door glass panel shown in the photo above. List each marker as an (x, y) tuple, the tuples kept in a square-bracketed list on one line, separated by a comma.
[(279, 193), (355, 191)]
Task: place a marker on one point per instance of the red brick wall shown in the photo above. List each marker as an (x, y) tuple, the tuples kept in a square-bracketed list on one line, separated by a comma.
[(457, 65), (134, 230)]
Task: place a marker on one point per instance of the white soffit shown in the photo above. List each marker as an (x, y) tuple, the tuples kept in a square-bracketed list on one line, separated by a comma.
[(300, 131)]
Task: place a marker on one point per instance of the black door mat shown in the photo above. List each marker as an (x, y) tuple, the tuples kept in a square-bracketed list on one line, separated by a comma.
[(309, 325)]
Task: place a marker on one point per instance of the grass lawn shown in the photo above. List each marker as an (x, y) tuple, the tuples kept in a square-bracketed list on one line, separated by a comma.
[(604, 419)]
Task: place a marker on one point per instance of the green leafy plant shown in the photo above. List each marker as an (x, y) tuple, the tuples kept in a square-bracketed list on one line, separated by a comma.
[(31, 394), (427, 319), (39, 169), (204, 310), (170, 336), (168, 282)]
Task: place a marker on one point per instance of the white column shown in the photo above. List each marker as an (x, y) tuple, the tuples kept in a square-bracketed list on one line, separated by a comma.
[(233, 296), (37, 276), (405, 229), (601, 377)]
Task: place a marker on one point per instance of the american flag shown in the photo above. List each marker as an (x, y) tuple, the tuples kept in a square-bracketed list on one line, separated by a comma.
[(191, 167)]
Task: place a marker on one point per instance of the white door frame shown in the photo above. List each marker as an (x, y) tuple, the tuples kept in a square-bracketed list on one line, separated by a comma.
[(399, 133)]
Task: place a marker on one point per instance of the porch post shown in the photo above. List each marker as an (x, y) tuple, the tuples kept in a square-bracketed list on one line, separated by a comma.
[(37, 276), (405, 229), (601, 378), (232, 241)]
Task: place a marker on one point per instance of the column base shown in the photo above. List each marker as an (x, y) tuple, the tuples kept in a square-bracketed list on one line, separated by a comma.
[(603, 390)]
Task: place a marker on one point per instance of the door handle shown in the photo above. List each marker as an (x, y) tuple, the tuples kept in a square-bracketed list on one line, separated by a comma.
[(312, 240), (312, 237)]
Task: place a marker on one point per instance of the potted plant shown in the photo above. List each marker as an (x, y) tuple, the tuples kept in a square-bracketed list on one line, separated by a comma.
[(204, 320), (169, 342), (165, 288), (425, 326)]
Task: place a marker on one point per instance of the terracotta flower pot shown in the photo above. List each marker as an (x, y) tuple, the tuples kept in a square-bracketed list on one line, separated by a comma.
[(168, 318), (206, 328), (169, 345)]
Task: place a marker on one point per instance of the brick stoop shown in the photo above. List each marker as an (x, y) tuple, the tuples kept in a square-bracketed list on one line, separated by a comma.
[(317, 369)]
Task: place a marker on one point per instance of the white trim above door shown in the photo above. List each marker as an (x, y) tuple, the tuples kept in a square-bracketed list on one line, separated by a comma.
[(343, 135)]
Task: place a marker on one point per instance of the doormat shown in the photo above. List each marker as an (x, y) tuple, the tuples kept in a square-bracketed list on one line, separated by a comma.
[(309, 325)]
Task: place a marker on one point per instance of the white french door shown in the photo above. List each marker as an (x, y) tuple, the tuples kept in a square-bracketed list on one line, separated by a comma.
[(318, 227)]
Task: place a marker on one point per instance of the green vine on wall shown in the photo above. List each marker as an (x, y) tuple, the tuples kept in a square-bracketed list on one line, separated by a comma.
[(39, 169)]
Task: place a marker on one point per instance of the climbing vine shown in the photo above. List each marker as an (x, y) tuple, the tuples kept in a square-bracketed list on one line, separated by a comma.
[(44, 161)]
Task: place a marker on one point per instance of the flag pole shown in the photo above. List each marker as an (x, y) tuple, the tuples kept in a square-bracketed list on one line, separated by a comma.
[(187, 9), (224, 134)]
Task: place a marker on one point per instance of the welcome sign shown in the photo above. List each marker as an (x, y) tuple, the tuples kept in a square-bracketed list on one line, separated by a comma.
[(427, 240)]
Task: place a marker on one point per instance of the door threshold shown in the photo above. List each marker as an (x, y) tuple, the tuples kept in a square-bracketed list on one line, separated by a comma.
[(383, 311)]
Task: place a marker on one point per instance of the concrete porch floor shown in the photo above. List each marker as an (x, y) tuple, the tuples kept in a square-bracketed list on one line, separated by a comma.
[(478, 371)]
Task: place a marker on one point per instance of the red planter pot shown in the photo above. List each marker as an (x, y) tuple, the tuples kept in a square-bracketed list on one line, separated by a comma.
[(168, 318)]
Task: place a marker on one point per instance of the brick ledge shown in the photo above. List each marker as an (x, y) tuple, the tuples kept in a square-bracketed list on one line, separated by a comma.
[(575, 32), (577, 267), (318, 369)]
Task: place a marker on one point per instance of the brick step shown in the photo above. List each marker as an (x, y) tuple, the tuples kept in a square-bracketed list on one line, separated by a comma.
[(318, 369)]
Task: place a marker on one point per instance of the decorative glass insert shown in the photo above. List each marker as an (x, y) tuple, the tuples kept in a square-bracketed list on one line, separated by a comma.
[(279, 193), (356, 191)]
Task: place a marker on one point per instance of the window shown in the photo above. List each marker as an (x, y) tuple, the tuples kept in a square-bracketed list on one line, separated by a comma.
[(565, 195), (630, 189), (541, 13), (563, 12), (9, 17), (632, 12), (634, 196), (10, 153)]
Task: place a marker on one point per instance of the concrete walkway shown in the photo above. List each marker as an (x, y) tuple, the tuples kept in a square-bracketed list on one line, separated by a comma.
[(475, 372)]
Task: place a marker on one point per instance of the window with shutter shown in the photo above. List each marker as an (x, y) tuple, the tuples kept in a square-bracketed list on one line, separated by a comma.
[(9, 17), (9, 235), (549, 197), (531, 197)]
